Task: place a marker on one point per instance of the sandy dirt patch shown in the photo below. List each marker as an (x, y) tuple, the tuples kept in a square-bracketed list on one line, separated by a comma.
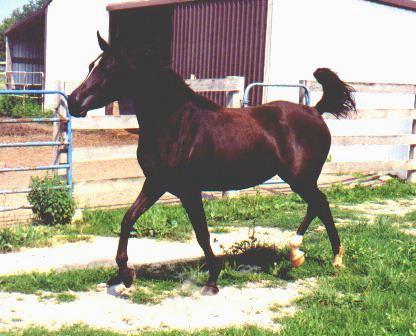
[(387, 207), (101, 251), (231, 307), (104, 308)]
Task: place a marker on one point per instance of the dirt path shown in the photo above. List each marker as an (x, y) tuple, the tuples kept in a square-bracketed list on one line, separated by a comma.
[(101, 251), (104, 308), (231, 307), (388, 207)]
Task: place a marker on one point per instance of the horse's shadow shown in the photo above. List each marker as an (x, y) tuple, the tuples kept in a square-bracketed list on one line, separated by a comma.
[(260, 259)]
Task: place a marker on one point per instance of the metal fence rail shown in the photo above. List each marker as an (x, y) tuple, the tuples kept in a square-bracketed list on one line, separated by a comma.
[(306, 91), (66, 142)]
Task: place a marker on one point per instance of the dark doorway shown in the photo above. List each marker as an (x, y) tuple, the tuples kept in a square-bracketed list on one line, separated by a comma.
[(143, 27), (140, 28), (206, 38)]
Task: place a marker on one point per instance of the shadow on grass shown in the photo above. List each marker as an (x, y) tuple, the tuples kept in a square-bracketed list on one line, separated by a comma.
[(253, 264)]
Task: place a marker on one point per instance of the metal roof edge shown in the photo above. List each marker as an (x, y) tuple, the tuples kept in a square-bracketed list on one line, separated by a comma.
[(403, 4), (28, 19), (118, 6)]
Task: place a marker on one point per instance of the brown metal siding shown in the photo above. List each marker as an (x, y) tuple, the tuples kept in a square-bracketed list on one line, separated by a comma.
[(218, 38)]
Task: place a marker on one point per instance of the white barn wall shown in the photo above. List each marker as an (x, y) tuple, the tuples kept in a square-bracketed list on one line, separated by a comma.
[(361, 41), (71, 42)]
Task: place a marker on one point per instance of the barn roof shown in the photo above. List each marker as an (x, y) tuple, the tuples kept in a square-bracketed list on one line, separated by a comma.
[(25, 23), (405, 4), (123, 5), (33, 18), (142, 3)]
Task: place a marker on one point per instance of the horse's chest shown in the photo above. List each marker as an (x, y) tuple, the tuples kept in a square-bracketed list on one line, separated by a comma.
[(162, 158)]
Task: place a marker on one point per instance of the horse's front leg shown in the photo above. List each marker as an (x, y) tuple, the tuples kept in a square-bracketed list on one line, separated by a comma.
[(192, 202), (150, 193)]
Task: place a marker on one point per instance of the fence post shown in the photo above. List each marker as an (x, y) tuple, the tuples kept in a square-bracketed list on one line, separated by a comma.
[(234, 100), (60, 132), (302, 99), (411, 174)]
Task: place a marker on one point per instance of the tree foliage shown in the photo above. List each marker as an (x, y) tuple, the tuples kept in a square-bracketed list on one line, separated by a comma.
[(17, 15)]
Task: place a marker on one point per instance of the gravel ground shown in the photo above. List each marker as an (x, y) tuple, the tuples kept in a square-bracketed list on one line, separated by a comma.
[(231, 307), (106, 308)]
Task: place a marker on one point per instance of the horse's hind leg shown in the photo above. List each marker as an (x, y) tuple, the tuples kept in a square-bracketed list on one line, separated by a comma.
[(192, 202), (147, 197), (297, 257), (317, 206)]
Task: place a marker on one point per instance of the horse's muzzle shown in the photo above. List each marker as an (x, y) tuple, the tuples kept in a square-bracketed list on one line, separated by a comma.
[(75, 109)]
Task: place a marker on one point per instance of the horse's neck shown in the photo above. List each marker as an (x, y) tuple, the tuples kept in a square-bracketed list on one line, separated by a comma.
[(165, 99)]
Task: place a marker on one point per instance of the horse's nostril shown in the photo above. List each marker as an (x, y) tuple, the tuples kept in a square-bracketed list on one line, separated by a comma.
[(73, 105)]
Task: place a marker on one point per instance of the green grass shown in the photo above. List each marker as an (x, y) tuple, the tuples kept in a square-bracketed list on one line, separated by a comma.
[(282, 211), (78, 280), (374, 294), (171, 222), (81, 330), (12, 239), (65, 297), (392, 189)]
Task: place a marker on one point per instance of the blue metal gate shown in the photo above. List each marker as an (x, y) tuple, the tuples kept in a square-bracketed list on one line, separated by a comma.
[(67, 143)]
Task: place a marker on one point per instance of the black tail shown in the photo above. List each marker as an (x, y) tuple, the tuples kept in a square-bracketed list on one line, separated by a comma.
[(338, 96)]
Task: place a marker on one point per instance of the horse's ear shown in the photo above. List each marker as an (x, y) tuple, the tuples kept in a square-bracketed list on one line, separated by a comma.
[(103, 43)]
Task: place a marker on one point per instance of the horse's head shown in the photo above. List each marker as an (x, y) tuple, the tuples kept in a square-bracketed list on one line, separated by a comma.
[(106, 82)]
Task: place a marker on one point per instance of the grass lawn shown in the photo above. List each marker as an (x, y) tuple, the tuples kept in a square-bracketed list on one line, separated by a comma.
[(80, 330), (374, 294), (282, 211), (171, 222)]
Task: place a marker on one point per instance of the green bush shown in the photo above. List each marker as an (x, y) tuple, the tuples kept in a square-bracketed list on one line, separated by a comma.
[(52, 205), (16, 107), (7, 103)]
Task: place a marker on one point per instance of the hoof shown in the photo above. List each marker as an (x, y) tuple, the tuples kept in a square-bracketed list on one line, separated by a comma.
[(210, 290), (297, 257), (337, 263), (125, 276)]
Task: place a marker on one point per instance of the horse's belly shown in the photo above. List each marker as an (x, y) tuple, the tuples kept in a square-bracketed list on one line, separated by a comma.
[(234, 175)]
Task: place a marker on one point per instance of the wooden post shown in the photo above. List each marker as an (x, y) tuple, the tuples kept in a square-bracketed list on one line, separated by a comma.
[(411, 174), (235, 98)]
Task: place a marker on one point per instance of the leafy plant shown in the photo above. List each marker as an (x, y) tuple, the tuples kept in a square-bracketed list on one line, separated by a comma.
[(7, 103), (51, 202), (15, 107)]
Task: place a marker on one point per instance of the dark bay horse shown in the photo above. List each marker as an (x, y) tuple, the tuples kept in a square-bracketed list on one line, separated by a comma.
[(189, 144)]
